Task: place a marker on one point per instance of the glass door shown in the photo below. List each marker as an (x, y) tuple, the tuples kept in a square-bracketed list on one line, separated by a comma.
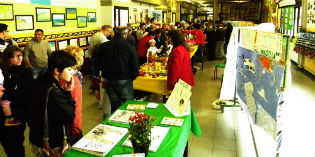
[(121, 16)]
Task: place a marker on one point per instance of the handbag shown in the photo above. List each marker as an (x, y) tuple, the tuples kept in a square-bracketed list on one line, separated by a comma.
[(58, 151)]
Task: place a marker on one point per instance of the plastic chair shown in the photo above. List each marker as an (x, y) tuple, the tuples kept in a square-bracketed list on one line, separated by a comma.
[(215, 71)]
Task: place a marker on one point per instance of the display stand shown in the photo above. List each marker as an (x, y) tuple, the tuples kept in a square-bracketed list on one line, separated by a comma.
[(258, 72)]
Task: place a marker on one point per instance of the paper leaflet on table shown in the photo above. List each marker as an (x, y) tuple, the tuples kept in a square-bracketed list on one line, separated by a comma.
[(100, 140), (178, 101), (131, 155), (121, 116), (158, 134), (136, 107), (172, 121), (152, 105)]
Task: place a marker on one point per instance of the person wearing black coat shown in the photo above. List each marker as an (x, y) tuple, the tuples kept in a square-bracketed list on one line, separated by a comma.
[(119, 64), (16, 81), (60, 106)]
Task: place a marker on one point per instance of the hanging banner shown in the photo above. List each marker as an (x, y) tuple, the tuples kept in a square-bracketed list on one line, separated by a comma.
[(269, 45)]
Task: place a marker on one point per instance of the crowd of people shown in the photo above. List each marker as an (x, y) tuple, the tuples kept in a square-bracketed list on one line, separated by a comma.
[(43, 89)]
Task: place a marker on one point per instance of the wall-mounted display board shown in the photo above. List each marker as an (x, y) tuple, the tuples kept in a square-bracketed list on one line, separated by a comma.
[(240, 11), (310, 19)]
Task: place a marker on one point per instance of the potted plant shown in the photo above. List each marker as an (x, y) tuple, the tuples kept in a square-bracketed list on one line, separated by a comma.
[(140, 132)]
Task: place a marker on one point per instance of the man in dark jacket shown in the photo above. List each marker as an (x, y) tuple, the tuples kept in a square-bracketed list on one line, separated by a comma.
[(118, 61)]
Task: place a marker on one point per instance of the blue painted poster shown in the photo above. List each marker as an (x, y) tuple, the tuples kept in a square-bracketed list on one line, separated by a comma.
[(258, 82), (44, 2)]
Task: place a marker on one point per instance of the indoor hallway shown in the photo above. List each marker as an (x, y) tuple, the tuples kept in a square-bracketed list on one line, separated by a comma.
[(223, 134)]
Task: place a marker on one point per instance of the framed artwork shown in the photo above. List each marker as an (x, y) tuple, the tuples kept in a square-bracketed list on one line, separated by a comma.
[(24, 22), (43, 15), (58, 19), (6, 12), (82, 21), (71, 13), (73, 42), (89, 39), (91, 16), (82, 41), (52, 45), (86, 53), (62, 44)]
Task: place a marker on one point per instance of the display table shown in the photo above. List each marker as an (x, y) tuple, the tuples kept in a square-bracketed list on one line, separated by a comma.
[(173, 144), (156, 85)]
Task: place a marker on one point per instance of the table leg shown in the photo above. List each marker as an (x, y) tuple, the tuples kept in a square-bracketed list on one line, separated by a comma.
[(164, 99), (186, 150)]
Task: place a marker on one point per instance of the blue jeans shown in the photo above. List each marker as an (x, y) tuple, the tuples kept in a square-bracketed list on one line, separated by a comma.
[(119, 91), (37, 71)]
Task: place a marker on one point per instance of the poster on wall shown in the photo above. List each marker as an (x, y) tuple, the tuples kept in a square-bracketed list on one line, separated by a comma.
[(71, 13), (6, 12), (157, 14), (82, 22), (91, 16), (43, 14), (43, 2), (58, 19), (24, 22)]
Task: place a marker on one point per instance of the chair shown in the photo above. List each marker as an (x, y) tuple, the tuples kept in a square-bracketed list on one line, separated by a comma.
[(215, 71)]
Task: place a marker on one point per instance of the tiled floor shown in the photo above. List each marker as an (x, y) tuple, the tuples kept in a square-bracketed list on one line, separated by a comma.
[(223, 134)]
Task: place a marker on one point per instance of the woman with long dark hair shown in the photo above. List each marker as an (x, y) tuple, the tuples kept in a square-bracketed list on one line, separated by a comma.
[(179, 65), (12, 113)]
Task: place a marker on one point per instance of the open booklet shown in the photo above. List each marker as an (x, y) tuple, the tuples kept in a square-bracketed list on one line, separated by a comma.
[(158, 133), (178, 102), (121, 116), (100, 140)]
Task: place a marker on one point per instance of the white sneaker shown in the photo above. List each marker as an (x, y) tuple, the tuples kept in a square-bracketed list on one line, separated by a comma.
[(196, 67)]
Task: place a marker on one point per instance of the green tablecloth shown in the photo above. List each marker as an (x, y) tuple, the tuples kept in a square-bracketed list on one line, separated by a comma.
[(173, 144)]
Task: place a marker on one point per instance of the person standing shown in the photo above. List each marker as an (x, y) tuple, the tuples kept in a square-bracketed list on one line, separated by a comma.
[(17, 79), (179, 65), (219, 46), (75, 129), (97, 39), (60, 104), (5, 38), (140, 32), (36, 53), (143, 46), (119, 65)]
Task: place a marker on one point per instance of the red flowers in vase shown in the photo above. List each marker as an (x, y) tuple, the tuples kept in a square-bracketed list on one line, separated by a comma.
[(140, 131)]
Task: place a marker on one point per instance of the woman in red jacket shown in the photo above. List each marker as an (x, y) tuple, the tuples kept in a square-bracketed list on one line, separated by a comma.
[(179, 66)]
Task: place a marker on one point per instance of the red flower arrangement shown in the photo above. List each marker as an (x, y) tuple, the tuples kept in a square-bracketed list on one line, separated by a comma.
[(140, 131)]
